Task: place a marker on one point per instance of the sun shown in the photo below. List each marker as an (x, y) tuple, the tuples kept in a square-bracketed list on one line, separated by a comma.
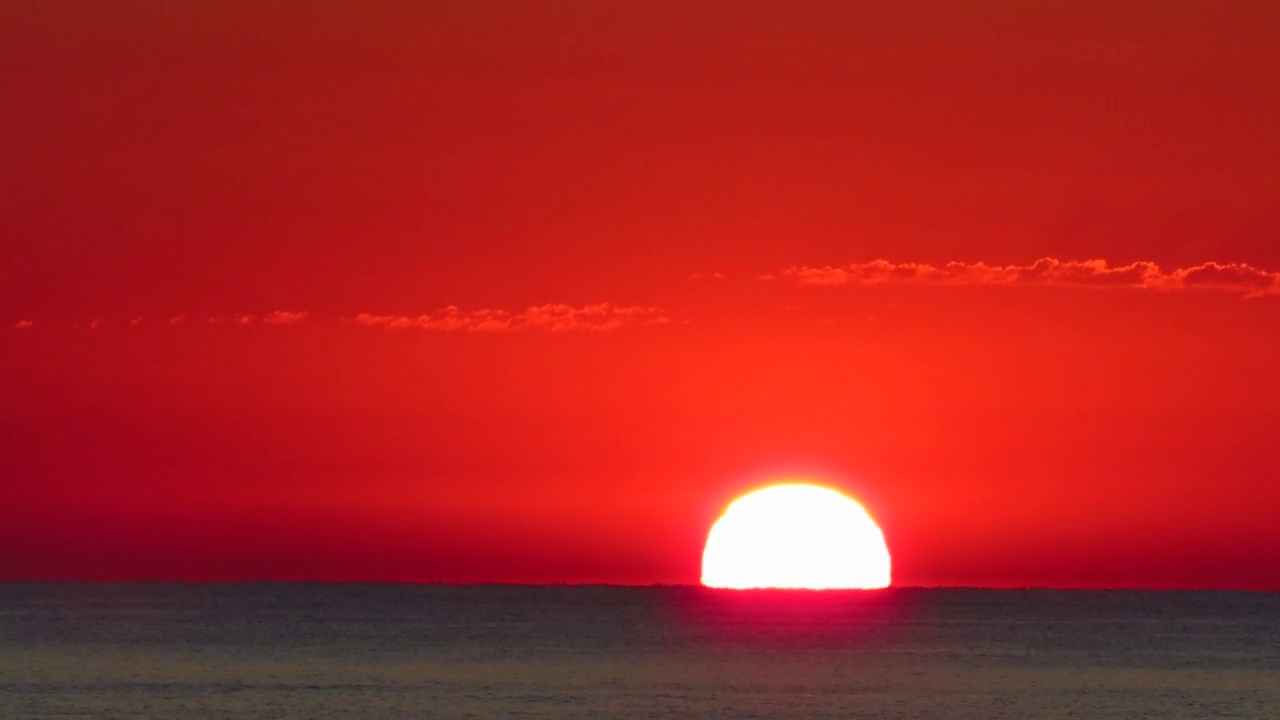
[(795, 535)]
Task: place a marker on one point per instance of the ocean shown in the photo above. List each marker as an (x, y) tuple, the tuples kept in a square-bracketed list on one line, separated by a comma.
[(427, 651)]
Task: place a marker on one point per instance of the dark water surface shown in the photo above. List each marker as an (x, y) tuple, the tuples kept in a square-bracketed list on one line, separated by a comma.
[(405, 651)]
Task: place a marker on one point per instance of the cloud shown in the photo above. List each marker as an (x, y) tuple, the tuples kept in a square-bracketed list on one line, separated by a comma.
[(1230, 276), (600, 317), (284, 317), (699, 276), (1227, 277), (550, 317)]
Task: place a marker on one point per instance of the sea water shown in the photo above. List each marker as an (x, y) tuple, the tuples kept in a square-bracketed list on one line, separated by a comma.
[(421, 651)]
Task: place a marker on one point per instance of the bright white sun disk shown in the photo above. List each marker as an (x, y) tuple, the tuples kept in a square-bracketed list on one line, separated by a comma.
[(795, 536)]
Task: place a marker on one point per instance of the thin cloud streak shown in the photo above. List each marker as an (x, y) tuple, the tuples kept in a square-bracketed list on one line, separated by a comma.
[(279, 317), (600, 317), (1225, 277), (551, 317), (284, 317)]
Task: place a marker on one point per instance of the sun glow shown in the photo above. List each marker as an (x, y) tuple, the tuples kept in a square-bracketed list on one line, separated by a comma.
[(795, 536)]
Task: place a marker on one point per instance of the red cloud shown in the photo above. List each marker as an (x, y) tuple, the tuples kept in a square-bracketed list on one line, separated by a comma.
[(284, 317), (600, 317), (1231, 277)]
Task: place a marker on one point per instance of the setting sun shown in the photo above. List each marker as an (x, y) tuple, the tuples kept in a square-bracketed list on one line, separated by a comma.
[(795, 536)]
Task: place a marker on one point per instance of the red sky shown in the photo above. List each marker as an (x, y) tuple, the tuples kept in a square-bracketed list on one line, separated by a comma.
[(528, 291)]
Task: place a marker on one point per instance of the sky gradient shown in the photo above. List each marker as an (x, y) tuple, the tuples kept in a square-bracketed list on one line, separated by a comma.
[(529, 291)]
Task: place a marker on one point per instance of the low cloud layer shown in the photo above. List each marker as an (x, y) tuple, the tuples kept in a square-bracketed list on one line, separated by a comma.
[(279, 317), (284, 317), (600, 317), (1227, 277)]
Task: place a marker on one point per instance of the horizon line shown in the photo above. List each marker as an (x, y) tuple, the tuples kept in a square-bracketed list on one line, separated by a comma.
[(642, 586)]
